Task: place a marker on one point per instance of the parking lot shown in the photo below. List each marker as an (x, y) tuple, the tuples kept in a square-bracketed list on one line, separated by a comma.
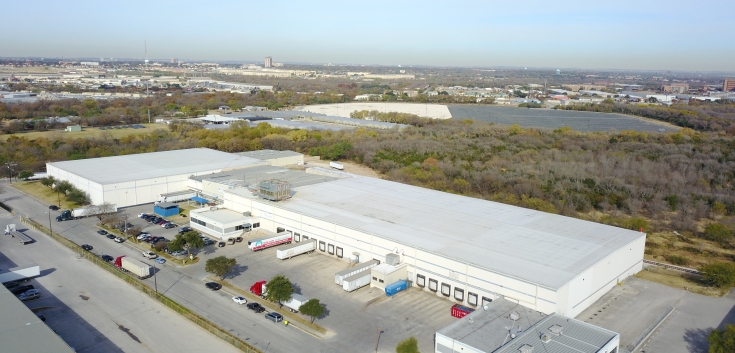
[(352, 318)]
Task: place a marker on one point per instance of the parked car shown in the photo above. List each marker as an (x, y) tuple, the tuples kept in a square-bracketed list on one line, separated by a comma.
[(119, 239), (184, 229), (208, 242), (274, 316), (170, 225), (213, 285), (221, 244), (256, 307), (87, 247), (21, 289), (110, 236), (53, 207), (142, 236), (102, 232), (142, 215), (107, 258), (178, 253), (161, 260), (150, 254), (29, 295), (239, 300), (238, 239)]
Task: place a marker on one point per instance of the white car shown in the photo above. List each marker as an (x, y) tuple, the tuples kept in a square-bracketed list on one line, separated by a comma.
[(119, 239), (239, 300), (150, 254), (142, 236)]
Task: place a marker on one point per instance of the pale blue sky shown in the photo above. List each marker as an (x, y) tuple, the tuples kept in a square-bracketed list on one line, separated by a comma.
[(623, 34)]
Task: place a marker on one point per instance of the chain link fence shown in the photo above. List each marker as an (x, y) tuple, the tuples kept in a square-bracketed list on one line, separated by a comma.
[(171, 304)]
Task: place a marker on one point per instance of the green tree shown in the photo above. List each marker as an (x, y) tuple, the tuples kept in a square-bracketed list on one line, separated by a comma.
[(722, 341), (25, 174), (77, 196), (720, 274), (220, 266), (409, 345), (62, 187), (48, 181), (312, 308), (278, 289), (187, 240)]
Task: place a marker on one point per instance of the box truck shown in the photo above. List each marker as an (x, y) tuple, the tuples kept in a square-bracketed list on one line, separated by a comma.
[(292, 250), (133, 266), (365, 266), (267, 242), (295, 303)]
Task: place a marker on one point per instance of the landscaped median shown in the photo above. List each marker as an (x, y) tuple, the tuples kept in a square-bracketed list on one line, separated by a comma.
[(171, 304), (185, 261), (305, 324)]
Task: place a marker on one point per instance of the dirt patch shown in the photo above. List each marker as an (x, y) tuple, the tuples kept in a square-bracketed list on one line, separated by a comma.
[(350, 167)]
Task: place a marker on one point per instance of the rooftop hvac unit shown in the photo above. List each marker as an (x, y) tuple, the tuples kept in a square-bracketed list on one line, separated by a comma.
[(393, 259), (274, 190), (526, 348), (556, 329), (545, 338)]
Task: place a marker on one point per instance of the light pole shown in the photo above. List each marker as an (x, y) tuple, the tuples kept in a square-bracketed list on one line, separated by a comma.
[(10, 170)]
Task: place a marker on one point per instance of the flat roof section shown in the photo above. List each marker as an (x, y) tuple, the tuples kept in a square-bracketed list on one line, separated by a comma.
[(220, 215), (118, 169), (269, 154), (490, 329), (23, 331), (542, 248), (252, 175)]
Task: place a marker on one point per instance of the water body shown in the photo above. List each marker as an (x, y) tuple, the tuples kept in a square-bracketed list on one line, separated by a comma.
[(554, 119)]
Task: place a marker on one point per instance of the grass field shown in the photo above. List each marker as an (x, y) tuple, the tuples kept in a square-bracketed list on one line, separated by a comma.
[(37, 190), (88, 132), (678, 280)]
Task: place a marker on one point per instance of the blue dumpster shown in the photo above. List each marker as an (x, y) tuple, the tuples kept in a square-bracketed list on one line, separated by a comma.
[(394, 288)]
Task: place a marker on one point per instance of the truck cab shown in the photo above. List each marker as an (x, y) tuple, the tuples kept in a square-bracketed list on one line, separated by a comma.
[(64, 216)]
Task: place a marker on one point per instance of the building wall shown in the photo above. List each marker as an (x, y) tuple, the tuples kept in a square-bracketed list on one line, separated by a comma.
[(94, 190), (381, 279)]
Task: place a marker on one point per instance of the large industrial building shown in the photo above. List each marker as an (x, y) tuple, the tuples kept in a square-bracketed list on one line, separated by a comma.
[(468, 250)]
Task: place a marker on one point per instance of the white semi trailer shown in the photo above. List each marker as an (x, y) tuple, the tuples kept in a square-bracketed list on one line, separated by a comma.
[(292, 250)]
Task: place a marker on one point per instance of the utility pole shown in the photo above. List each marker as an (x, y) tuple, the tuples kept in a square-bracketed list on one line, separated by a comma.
[(10, 170), (377, 339)]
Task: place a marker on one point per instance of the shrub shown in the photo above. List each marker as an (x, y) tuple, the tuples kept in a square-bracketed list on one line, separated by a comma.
[(720, 274), (718, 232), (677, 260)]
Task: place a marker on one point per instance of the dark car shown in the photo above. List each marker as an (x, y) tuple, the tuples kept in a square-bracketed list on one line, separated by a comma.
[(213, 285), (53, 207), (102, 232), (162, 222), (87, 247), (238, 239), (256, 307), (107, 258), (221, 244), (21, 289), (184, 229), (110, 236), (169, 225)]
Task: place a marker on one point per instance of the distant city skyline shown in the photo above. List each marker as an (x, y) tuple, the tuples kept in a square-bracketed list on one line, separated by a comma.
[(635, 35)]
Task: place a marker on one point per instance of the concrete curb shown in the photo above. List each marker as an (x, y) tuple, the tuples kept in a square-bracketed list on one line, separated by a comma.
[(653, 330)]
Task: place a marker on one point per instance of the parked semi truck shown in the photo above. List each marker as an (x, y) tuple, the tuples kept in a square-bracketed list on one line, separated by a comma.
[(267, 242), (133, 266), (258, 288), (81, 212), (14, 233), (340, 276), (292, 250), (295, 303)]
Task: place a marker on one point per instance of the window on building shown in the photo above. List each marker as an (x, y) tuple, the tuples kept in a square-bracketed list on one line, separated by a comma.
[(380, 280), (306, 237), (339, 252), (471, 298), (330, 249), (322, 246), (375, 278), (446, 289), (256, 225), (433, 285), (421, 281), (458, 294), (297, 237)]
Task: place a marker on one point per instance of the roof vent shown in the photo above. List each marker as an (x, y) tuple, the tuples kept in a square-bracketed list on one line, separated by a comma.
[(514, 316), (556, 329), (526, 348), (545, 338)]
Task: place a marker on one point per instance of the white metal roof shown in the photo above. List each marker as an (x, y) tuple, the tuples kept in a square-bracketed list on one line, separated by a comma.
[(269, 154), (542, 248), (118, 169), (220, 215)]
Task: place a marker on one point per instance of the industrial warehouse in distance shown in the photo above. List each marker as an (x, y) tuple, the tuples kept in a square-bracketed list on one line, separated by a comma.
[(470, 251)]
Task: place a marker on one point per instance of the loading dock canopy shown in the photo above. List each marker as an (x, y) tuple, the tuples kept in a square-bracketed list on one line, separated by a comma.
[(199, 199)]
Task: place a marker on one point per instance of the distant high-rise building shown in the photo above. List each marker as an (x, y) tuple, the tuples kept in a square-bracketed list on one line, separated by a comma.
[(558, 72), (268, 61), (172, 61), (728, 85)]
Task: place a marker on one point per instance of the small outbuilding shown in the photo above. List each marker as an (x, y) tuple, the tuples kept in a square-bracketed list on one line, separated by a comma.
[(166, 209), (73, 128)]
